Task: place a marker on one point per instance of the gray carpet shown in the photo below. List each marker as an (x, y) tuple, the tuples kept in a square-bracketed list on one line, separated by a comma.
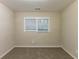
[(37, 53)]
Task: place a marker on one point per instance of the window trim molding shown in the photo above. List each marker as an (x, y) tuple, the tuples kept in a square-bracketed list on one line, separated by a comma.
[(30, 17)]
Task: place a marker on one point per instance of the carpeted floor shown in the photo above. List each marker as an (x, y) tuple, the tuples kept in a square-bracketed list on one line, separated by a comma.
[(37, 53)]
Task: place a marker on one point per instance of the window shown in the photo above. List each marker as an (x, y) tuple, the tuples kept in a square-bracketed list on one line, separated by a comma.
[(38, 24)]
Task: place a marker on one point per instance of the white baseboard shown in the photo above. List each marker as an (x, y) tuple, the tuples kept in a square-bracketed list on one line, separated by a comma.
[(69, 53), (6, 52), (38, 46)]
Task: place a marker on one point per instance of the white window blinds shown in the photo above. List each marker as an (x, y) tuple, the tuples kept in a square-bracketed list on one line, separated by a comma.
[(39, 24)]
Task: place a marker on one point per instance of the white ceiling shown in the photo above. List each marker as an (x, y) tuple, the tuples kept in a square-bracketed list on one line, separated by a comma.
[(30, 5)]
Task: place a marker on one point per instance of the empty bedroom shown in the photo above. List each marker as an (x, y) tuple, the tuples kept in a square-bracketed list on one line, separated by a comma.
[(38, 29)]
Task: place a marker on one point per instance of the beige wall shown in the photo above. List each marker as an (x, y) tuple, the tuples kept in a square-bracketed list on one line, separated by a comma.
[(6, 29), (51, 38), (69, 29)]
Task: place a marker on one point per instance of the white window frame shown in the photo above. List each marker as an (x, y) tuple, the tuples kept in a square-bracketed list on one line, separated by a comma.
[(37, 18)]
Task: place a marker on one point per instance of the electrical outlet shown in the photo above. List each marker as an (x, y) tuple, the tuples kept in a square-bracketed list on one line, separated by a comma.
[(33, 42)]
